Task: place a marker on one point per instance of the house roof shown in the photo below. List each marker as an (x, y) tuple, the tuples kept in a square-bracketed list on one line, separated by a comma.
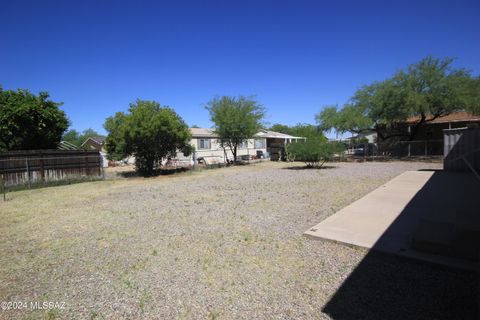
[(460, 116), (65, 145), (208, 133), (98, 140), (274, 134), (202, 132)]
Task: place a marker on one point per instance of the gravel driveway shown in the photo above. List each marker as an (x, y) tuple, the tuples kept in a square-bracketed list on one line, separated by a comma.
[(215, 244)]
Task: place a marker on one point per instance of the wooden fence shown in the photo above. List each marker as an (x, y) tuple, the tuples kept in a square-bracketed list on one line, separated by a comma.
[(29, 167)]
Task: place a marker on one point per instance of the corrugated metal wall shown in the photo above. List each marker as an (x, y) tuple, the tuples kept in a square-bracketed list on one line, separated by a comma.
[(458, 143)]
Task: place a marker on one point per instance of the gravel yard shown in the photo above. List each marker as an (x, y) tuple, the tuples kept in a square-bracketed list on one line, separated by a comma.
[(214, 244)]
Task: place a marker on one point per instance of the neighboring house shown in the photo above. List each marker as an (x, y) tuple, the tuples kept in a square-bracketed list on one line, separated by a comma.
[(94, 143), (428, 139), (97, 144), (370, 136), (264, 144), (276, 141), (362, 144), (433, 130)]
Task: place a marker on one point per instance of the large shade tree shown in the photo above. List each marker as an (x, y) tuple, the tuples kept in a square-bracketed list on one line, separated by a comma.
[(148, 131), (426, 90), (474, 86), (29, 121), (235, 120)]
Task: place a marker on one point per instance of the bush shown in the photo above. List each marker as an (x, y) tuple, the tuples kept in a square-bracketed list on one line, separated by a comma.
[(313, 152)]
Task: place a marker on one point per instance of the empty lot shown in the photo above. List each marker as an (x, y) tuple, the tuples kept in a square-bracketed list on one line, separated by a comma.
[(218, 244)]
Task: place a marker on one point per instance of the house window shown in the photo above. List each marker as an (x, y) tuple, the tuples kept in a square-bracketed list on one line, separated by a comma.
[(203, 143), (259, 143), (243, 145)]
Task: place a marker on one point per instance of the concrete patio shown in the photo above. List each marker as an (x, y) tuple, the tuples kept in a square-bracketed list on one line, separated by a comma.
[(427, 215)]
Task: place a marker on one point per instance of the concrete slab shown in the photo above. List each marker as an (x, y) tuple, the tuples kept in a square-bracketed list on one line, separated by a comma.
[(386, 218)]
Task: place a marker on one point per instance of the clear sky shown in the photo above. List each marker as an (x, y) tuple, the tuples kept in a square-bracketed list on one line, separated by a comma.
[(295, 56)]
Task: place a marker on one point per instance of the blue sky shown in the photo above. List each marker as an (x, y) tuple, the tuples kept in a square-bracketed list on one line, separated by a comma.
[(295, 56)]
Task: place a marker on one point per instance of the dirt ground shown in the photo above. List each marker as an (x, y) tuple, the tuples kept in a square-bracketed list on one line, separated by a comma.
[(214, 244)]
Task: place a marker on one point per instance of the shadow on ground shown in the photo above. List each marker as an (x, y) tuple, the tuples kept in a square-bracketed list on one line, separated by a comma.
[(159, 172), (439, 220), (309, 168)]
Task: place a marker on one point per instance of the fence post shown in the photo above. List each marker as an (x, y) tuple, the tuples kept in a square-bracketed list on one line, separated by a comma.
[(86, 164), (2, 186), (101, 167), (28, 172), (42, 168), (102, 172), (426, 148)]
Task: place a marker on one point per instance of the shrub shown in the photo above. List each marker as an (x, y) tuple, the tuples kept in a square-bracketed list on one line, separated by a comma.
[(313, 152)]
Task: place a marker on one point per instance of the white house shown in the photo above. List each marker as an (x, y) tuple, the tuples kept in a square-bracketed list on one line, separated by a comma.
[(264, 144)]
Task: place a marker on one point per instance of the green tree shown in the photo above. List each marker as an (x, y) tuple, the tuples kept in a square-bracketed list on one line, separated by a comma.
[(350, 118), (29, 121), (308, 131), (305, 130), (235, 120), (115, 142), (474, 87), (282, 128), (425, 91), (72, 136), (313, 152), (149, 132), (77, 138)]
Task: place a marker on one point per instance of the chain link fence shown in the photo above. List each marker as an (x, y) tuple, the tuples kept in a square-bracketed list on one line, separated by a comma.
[(396, 149)]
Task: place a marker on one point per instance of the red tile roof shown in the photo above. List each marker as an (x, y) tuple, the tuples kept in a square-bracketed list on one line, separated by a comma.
[(461, 116)]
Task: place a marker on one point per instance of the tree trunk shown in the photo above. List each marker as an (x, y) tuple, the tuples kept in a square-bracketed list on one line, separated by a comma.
[(235, 153), (230, 146), (416, 127)]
